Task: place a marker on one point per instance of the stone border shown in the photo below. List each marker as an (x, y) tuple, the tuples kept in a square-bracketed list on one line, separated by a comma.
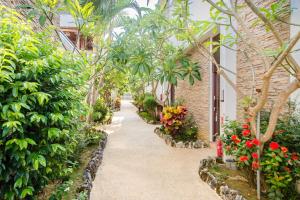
[(221, 188), (189, 144), (90, 171)]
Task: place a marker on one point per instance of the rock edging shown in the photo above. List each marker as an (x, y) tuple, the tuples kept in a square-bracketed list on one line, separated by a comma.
[(90, 171), (189, 144), (221, 188)]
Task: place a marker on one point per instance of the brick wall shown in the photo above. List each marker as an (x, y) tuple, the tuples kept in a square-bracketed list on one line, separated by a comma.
[(244, 73), (196, 97)]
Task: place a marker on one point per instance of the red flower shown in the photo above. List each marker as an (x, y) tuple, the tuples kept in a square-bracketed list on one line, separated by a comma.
[(246, 132), (295, 156), (274, 145), (254, 155), (245, 126), (255, 165), (255, 142), (235, 139), (284, 149), (287, 169), (249, 144), (243, 158)]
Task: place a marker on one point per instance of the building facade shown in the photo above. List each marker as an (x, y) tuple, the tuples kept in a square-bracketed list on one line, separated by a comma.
[(213, 100)]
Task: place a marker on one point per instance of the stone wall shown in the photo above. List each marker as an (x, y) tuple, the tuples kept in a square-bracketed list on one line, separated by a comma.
[(196, 97), (267, 41)]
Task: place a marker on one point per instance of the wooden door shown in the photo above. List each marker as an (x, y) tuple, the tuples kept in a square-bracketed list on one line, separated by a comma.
[(216, 94)]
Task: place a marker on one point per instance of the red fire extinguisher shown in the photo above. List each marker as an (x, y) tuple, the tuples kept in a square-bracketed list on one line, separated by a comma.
[(219, 148)]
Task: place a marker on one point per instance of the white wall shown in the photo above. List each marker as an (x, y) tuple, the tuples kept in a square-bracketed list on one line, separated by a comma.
[(228, 94), (295, 18), (66, 20)]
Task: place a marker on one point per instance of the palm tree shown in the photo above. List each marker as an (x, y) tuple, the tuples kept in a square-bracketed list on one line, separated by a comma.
[(110, 12)]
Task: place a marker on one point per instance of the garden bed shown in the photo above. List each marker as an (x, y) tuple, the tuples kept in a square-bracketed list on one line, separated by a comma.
[(79, 184), (148, 118), (229, 184), (180, 144)]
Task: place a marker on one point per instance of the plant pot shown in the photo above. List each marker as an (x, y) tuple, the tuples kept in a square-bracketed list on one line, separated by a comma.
[(230, 162), (298, 186)]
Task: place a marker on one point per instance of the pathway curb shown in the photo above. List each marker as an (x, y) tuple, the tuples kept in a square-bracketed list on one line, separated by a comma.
[(90, 171), (221, 188), (198, 144)]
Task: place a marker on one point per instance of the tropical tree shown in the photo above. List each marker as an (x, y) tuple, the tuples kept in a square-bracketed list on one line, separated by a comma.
[(145, 50)]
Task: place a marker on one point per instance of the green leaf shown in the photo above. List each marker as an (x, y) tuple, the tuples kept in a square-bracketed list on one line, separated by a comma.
[(53, 132), (42, 160), (27, 192), (18, 183), (30, 141), (42, 97), (15, 91), (36, 164), (11, 124), (22, 143), (191, 80), (42, 20)]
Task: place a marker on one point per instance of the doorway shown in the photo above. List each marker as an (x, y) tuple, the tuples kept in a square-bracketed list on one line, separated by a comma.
[(215, 93)]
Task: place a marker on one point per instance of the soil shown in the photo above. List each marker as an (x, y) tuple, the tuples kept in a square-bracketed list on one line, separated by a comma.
[(235, 179), (76, 176)]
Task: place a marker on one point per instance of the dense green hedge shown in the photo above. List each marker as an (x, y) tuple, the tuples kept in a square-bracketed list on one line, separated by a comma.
[(39, 105)]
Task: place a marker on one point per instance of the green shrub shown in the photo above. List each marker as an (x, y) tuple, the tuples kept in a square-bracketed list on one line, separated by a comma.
[(40, 102), (287, 130), (91, 135), (189, 130), (149, 103), (100, 111), (148, 117)]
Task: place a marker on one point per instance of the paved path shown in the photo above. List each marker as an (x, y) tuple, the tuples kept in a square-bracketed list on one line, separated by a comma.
[(138, 165)]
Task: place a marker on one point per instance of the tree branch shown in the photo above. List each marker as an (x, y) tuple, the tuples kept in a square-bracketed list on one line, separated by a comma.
[(273, 30), (228, 12), (282, 98), (267, 76)]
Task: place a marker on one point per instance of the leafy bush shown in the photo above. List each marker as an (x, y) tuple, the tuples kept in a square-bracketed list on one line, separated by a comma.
[(178, 124), (149, 103), (40, 103), (287, 130), (148, 117), (279, 165), (91, 135), (189, 130), (100, 111)]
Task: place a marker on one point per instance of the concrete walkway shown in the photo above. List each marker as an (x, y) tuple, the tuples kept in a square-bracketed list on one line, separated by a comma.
[(138, 165)]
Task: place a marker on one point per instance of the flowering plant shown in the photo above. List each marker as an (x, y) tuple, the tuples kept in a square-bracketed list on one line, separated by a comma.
[(176, 122), (239, 142), (279, 165), (172, 118)]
